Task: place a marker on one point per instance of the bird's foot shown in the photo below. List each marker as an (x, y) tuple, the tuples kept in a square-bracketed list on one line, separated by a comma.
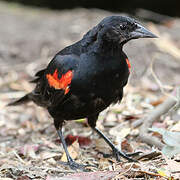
[(75, 166), (118, 154), (134, 154)]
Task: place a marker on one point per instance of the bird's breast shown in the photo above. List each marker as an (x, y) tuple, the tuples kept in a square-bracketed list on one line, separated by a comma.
[(101, 77)]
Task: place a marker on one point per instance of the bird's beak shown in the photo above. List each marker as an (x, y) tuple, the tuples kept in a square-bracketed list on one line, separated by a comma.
[(141, 32)]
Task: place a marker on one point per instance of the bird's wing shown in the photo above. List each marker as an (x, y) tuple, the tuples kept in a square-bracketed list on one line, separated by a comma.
[(53, 83), (38, 75)]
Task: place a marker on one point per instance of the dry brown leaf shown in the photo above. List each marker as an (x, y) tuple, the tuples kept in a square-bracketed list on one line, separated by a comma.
[(29, 150), (48, 155), (172, 168), (49, 144), (103, 163), (73, 151), (125, 146), (102, 146), (171, 141), (173, 165), (159, 124), (23, 178), (157, 102), (124, 132), (121, 130), (52, 161), (176, 127)]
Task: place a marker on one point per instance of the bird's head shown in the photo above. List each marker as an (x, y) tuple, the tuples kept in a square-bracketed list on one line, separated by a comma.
[(120, 29)]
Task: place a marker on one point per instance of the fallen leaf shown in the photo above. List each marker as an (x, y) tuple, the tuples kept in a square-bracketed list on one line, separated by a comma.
[(171, 169), (171, 140), (157, 102), (125, 146), (83, 141), (131, 117), (121, 130), (70, 139), (50, 144), (162, 172), (102, 146), (52, 161), (176, 127), (149, 156), (156, 134), (159, 125), (111, 117), (103, 163), (23, 178), (81, 120), (170, 151), (73, 151), (48, 155), (29, 150), (172, 165), (124, 132)]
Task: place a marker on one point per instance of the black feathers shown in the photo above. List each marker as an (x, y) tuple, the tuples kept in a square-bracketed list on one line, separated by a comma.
[(85, 78)]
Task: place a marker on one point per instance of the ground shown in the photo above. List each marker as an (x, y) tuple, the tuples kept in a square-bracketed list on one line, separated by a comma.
[(29, 146)]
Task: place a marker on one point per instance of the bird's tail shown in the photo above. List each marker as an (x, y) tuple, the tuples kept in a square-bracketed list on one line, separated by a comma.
[(22, 100)]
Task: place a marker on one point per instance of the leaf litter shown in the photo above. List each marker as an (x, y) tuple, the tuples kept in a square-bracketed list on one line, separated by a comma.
[(29, 148)]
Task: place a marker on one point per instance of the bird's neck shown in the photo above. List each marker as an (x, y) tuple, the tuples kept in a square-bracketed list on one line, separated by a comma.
[(100, 46), (109, 48)]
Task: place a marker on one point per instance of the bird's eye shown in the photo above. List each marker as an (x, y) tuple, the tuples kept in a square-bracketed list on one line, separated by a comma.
[(135, 26), (122, 27)]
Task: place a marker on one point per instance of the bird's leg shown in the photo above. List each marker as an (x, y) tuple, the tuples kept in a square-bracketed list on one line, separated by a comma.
[(70, 162), (116, 151), (92, 122), (69, 159)]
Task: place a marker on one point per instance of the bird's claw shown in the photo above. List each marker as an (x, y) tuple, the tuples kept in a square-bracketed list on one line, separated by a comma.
[(75, 166), (118, 154), (134, 154)]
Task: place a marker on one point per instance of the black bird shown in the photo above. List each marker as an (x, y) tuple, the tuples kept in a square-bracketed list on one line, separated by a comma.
[(86, 77)]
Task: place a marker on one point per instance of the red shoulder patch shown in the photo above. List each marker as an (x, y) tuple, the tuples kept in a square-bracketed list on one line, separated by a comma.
[(62, 83), (128, 63)]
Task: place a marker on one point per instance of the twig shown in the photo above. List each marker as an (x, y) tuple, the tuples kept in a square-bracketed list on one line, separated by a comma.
[(20, 159), (119, 175), (158, 81), (137, 123), (155, 114), (151, 174), (150, 118), (148, 156), (162, 88)]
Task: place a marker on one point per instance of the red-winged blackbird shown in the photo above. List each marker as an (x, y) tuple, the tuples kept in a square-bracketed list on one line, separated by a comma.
[(85, 78)]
